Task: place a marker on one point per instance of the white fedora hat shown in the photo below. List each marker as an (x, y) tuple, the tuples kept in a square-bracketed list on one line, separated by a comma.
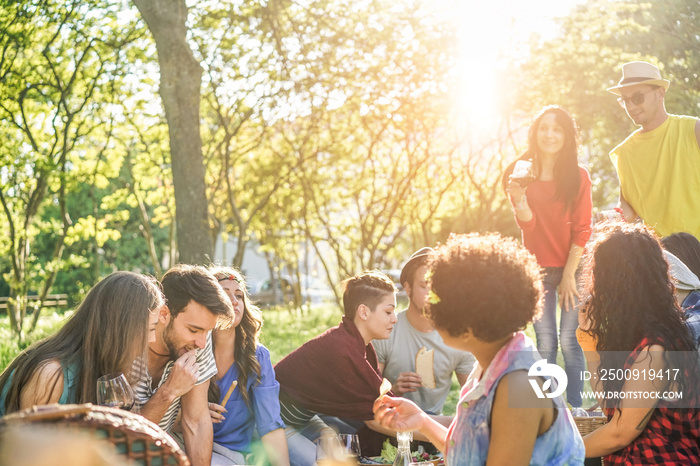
[(639, 72)]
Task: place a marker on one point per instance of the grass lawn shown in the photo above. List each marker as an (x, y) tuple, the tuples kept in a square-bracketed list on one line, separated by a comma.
[(284, 331), (48, 324)]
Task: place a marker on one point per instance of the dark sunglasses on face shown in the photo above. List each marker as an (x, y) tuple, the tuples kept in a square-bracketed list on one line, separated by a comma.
[(636, 99)]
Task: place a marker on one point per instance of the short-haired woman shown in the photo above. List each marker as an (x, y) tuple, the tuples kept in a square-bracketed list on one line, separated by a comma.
[(336, 374)]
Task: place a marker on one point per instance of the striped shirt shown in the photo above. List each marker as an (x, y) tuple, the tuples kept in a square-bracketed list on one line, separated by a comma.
[(293, 414), (143, 391)]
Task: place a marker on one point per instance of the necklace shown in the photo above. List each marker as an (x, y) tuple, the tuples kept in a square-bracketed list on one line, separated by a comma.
[(158, 354)]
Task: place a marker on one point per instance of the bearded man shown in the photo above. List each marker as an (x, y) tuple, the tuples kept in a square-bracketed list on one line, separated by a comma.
[(180, 361)]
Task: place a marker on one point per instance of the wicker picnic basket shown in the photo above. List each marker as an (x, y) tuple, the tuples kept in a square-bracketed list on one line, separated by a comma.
[(586, 425), (142, 442)]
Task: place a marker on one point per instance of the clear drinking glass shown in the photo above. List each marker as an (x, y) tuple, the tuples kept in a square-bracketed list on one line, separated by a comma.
[(522, 173), (113, 390), (330, 451), (403, 454), (351, 443)]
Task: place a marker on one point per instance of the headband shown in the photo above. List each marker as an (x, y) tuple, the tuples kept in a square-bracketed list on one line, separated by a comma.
[(229, 277)]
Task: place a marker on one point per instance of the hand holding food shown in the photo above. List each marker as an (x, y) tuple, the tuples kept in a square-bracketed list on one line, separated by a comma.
[(398, 414), (384, 388), (424, 367), (216, 413)]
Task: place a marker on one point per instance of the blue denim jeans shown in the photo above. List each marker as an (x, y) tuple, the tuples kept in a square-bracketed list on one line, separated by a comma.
[(302, 452), (546, 332), (301, 442)]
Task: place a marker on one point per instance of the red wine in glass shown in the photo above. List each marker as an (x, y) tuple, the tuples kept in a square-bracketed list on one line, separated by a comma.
[(113, 390), (522, 173)]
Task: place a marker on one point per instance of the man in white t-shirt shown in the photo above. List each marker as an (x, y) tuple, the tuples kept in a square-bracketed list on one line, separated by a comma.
[(181, 361), (413, 331)]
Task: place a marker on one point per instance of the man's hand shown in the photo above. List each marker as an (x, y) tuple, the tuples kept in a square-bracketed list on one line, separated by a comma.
[(183, 375), (407, 382)]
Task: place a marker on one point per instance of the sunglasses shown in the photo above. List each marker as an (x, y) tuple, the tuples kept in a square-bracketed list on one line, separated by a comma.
[(636, 99)]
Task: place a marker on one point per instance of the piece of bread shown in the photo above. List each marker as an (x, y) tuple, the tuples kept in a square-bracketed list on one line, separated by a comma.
[(424, 367)]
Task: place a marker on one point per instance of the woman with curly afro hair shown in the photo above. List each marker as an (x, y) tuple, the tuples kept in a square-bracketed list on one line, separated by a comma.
[(632, 324), (484, 290)]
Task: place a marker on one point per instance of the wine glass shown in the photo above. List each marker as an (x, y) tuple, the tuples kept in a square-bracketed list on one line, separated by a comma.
[(114, 391), (351, 443), (331, 452), (522, 173)]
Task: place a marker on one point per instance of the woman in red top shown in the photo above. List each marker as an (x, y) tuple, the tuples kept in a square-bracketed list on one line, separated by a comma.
[(552, 207), (640, 353)]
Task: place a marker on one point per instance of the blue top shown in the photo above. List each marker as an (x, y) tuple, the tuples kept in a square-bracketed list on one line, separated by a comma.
[(236, 431), (691, 307), (70, 374), (469, 436)]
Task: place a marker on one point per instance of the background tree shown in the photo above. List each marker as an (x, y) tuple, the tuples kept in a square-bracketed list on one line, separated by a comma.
[(244, 86), (180, 91), (58, 61), (575, 67)]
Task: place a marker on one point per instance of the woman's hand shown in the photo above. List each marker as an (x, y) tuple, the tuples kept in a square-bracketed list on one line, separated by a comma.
[(516, 194), (568, 292), (398, 414), (216, 413)]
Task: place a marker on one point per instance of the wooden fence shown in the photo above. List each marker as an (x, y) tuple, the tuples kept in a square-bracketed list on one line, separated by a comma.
[(52, 300)]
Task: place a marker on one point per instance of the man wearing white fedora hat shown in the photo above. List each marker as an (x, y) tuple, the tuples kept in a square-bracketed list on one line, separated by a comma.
[(659, 164)]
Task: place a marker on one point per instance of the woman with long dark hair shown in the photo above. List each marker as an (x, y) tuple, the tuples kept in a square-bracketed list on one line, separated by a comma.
[(632, 324), (552, 206), (245, 396), (686, 247), (109, 331)]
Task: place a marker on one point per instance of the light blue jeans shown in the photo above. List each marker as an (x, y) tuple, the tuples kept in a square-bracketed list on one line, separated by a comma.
[(546, 332), (302, 452), (302, 440)]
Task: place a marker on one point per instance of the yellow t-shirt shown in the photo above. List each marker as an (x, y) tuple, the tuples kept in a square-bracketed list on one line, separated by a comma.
[(659, 175)]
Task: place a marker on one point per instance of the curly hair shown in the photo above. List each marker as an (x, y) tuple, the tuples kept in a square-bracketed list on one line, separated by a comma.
[(566, 171), (487, 283), (632, 297), (686, 247), (367, 288), (247, 334)]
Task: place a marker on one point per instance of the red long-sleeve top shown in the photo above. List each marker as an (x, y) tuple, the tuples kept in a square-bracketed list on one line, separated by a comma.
[(553, 229)]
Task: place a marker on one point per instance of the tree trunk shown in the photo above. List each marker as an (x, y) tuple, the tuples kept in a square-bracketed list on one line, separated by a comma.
[(180, 83)]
